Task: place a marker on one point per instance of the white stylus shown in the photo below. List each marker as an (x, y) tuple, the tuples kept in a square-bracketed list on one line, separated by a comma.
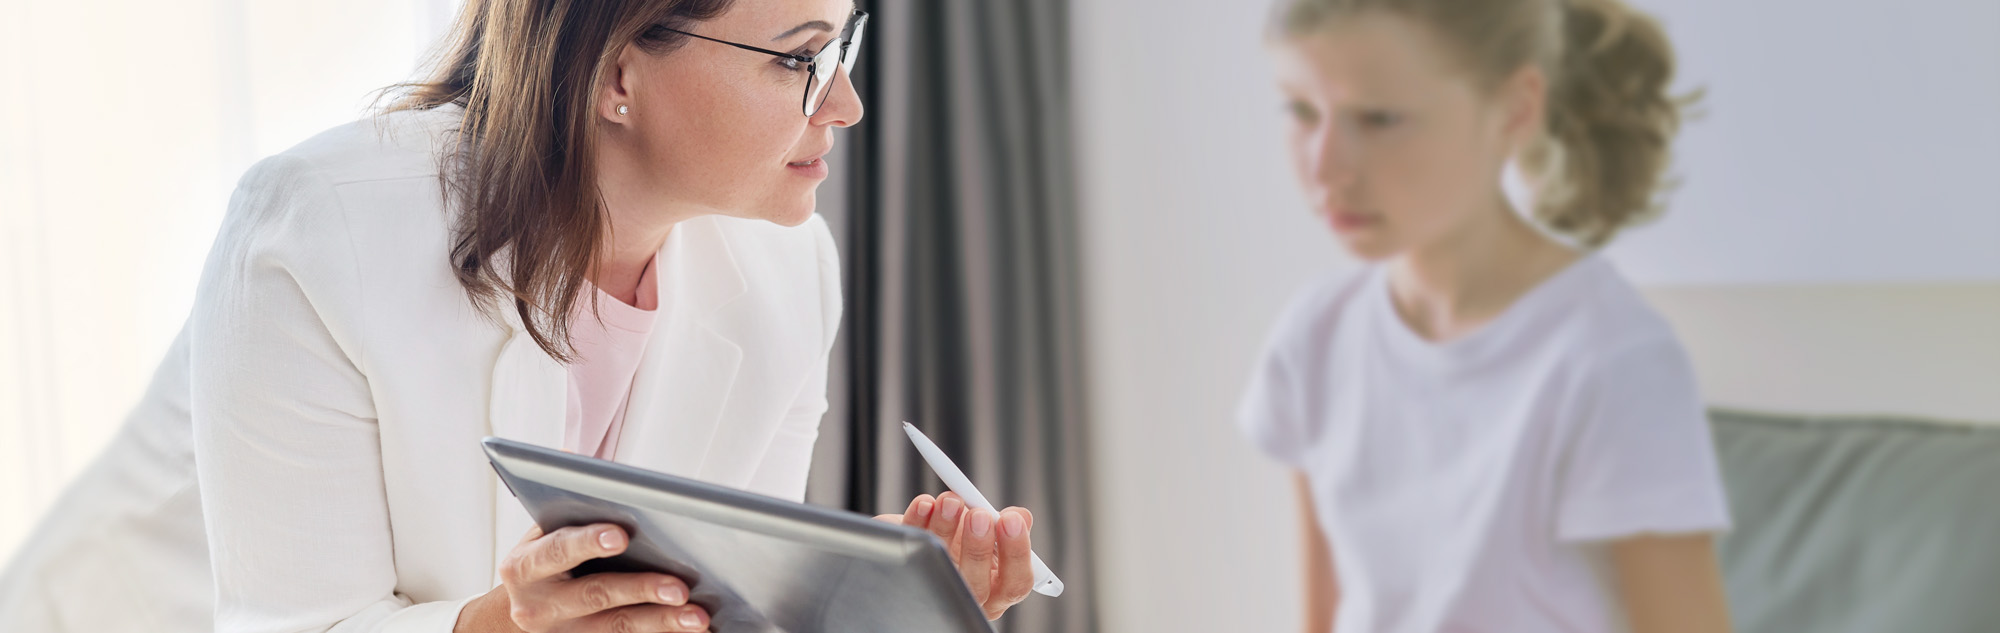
[(1046, 582)]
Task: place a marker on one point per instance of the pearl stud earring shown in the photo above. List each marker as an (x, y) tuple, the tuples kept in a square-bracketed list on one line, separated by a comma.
[(622, 110)]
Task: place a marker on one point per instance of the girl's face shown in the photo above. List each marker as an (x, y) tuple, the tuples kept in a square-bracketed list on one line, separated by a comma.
[(721, 129), (1396, 147)]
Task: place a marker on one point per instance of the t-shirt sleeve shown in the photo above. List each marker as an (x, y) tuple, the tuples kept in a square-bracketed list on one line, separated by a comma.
[(1642, 459), (1270, 413), (1273, 412)]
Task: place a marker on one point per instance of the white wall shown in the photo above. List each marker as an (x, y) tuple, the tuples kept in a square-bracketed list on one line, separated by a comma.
[(1195, 235), (124, 125), (1847, 142)]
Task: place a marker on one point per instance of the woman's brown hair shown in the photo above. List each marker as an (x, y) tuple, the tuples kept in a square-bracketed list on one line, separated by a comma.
[(529, 218), (1610, 120)]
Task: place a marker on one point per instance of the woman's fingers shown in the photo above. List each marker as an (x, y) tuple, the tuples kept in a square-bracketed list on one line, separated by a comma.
[(596, 593), (919, 514), (992, 550), (1016, 577), (560, 551), (979, 553), (652, 617), (944, 523)]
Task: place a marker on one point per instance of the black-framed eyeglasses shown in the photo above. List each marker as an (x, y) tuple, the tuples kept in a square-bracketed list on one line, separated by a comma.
[(837, 54)]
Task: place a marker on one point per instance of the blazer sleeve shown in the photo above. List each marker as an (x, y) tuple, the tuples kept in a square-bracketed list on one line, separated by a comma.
[(788, 462), (286, 445)]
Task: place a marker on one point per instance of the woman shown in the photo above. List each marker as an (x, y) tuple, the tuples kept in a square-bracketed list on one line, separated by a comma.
[(1491, 430), (592, 229)]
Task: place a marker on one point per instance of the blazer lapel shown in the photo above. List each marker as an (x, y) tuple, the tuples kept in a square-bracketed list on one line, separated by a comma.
[(684, 381), (527, 403), (530, 391)]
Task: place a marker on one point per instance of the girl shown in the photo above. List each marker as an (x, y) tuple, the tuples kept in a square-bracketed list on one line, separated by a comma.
[(1491, 431)]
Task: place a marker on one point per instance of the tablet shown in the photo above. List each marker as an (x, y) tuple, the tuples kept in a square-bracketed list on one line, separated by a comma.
[(758, 564)]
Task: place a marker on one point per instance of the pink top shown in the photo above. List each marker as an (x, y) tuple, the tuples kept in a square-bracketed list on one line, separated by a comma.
[(600, 381)]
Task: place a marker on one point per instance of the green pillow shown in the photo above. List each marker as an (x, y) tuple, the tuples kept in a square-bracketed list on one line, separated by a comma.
[(1860, 525)]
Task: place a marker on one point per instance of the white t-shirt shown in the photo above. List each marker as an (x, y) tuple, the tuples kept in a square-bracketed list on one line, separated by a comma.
[(1468, 486)]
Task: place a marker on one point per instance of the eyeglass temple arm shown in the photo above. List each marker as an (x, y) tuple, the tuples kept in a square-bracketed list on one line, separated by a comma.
[(746, 47)]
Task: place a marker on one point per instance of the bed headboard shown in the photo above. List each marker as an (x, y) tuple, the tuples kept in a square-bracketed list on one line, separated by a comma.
[(1924, 350)]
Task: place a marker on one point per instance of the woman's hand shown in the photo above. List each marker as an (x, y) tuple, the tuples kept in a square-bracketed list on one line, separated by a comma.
[(991, 550), (538, 595)]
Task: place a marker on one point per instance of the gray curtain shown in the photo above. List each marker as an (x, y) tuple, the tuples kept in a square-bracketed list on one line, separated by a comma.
[(958, 225)]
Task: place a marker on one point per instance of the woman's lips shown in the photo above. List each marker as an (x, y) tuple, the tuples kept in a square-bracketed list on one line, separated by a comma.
[(814, 168)]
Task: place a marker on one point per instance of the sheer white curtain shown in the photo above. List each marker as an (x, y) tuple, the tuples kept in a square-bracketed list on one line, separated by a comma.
[(124, 125)]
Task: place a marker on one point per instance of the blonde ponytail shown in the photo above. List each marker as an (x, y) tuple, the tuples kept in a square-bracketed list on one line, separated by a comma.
[(1611, 123)]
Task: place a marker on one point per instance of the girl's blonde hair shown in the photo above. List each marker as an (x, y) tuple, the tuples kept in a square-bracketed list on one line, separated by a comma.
[(1610, 120)]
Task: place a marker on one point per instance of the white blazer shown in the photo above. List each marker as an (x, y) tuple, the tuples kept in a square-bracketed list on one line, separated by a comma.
[(339, 381)]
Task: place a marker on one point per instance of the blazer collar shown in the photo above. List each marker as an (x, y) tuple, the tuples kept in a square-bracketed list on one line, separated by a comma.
[(698, 276)]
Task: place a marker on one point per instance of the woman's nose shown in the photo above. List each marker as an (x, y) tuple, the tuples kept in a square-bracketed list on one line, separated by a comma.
[(842, 108)]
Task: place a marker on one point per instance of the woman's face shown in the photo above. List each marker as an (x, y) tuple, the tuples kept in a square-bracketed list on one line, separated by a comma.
[(1396, 147), (720, 129)]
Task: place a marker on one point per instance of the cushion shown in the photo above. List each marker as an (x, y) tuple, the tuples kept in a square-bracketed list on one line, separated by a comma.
[(1860, 525)]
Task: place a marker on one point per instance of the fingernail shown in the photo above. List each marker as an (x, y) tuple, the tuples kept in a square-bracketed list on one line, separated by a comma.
[(924, 509), (982, 523), (610, 539), (951, 510), (690, 618), (672, 594), (1012, 525)]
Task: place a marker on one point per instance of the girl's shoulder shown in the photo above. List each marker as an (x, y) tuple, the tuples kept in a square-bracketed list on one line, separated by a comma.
[(1319, 307), (1606, 321), (1332, 291), (1615, 313)]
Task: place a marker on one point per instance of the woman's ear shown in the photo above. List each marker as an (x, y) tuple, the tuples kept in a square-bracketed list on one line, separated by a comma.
[(619, 84)]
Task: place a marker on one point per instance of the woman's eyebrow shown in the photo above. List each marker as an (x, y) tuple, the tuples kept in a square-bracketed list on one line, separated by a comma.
[(815, 24)]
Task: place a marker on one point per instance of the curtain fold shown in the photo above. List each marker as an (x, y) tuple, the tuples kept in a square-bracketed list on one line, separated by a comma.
[(959, 228)]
